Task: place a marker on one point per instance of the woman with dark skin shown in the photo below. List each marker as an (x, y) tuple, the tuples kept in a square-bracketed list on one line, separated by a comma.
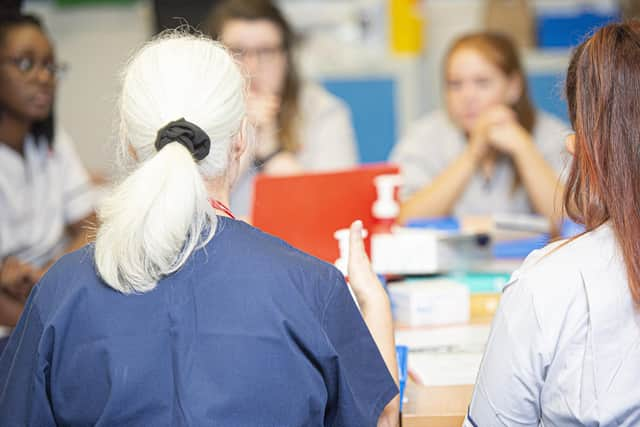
[(44, 191)]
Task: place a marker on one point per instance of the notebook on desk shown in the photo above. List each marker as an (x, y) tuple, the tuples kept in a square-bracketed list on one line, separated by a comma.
[(305, 210)]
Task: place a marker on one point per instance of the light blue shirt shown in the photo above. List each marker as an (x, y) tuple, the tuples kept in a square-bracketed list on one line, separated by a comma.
[(564, 348)]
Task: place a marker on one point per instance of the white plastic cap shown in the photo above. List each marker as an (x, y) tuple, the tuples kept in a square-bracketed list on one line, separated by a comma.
[(386, 207), (342, 236)]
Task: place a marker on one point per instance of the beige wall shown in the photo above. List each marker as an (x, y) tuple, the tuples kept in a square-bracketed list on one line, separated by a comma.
[(95, 42)]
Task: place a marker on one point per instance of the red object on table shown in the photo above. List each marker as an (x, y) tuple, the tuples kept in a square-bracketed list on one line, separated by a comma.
[(305, 210)]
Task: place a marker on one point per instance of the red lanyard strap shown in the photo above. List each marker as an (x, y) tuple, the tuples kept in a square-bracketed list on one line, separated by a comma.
[(221, 207)]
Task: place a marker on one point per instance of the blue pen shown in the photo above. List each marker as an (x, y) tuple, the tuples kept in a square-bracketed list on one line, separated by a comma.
[(402, 352)]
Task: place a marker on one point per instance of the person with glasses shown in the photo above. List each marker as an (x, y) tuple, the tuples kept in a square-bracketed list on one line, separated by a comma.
[(181, 315), (45, 194), (300, 126)]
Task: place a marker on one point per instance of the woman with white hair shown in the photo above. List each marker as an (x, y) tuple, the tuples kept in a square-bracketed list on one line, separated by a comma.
[(182, 315)]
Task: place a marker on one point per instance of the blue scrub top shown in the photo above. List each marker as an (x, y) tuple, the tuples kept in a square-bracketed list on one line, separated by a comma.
[(249, 332)]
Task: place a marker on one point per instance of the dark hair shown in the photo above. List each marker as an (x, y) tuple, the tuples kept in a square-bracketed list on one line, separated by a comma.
[(603, 88), (8, 21), (500, 51), (265, 9)]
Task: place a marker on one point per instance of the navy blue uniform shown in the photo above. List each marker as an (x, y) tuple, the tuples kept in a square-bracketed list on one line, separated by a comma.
[(249, 332)]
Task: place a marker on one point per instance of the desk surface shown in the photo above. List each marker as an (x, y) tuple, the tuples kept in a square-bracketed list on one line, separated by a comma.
[(436, 406), (445, 405)]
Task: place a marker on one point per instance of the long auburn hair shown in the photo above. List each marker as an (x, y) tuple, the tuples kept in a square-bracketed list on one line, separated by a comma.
[(603, 89), (265, 9), (500, 51)]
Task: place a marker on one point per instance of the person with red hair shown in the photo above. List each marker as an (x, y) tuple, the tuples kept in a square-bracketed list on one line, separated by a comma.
[(564, 348), (489, 151)]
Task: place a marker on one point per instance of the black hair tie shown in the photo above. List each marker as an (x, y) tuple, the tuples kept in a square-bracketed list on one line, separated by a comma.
[(186, 133)]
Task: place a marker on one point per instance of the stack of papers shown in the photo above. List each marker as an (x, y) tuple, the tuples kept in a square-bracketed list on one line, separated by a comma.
[(445, 355)]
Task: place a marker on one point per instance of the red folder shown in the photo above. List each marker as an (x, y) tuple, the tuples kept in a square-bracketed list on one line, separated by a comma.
[(305, 210)]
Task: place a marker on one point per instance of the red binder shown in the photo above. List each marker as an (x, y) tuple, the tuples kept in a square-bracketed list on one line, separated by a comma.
[(305, 210)]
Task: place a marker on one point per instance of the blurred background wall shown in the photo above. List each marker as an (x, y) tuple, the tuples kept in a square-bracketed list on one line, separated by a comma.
[(345, 44)]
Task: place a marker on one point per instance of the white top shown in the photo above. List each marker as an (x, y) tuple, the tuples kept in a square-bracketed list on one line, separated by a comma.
[(40, 194), (327, 141), (564, 348), (434, 142)]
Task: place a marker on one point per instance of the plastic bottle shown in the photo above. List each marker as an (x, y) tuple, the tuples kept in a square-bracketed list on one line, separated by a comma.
[(385, 209), (342, 236), (342, 262)]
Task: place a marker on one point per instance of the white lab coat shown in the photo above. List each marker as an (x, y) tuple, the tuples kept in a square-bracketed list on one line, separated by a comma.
[(41, 193)]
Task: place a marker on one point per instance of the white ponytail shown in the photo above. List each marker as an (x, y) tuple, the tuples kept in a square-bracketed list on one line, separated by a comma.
[(160, 213)]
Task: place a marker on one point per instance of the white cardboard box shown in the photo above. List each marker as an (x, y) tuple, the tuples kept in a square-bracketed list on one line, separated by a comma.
[(429, 302), (423, 251)]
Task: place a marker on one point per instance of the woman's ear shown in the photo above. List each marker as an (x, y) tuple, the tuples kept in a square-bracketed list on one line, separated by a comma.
[(570, 143), (240, 141), (514, 89)]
